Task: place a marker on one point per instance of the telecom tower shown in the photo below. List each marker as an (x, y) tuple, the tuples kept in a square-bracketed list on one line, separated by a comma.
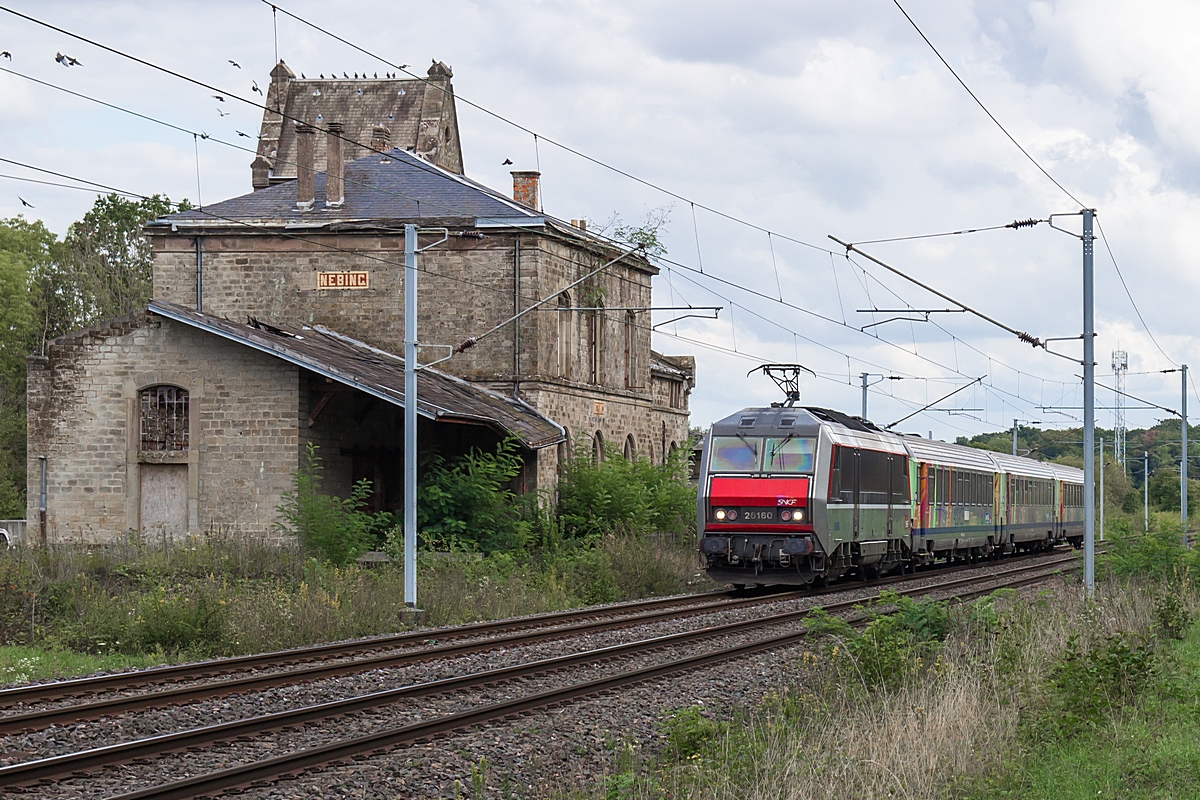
[(1120, 364)]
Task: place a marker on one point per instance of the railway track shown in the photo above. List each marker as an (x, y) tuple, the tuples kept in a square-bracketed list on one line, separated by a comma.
[(527, 631), (599, 618), (33, 773)]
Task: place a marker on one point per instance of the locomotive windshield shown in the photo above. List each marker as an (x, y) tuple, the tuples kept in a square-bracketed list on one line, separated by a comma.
[(790, 454), (753, 454)]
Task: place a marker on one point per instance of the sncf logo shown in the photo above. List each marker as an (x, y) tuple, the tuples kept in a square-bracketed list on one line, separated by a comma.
[(786, 501)]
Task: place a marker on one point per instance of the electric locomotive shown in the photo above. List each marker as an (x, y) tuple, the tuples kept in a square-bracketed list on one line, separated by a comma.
[(793, 495)]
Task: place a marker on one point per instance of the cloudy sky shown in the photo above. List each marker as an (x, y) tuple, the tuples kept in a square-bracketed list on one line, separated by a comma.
[(803, 118)]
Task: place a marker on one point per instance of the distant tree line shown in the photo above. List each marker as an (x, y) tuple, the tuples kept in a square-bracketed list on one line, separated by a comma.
[(50, 287)]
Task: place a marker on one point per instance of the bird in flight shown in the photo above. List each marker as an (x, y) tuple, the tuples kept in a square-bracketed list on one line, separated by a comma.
[(507, 161), (224, 113), (234, 63), (254, 87), (218, 98), (25, 202), (404, 66), (7, 55), (67, 61), (239, 133)]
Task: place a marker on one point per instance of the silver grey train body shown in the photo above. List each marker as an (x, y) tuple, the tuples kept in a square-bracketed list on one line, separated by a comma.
[(796, 495)]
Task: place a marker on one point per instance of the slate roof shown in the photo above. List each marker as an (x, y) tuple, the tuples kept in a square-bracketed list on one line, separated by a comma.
[(380, 187), (377, 373)]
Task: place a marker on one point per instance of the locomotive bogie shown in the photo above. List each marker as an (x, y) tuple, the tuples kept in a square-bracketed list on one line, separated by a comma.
[(792, 496)]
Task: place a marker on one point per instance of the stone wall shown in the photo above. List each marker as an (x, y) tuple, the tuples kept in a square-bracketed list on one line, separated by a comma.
[(563, 362), (84, 418)]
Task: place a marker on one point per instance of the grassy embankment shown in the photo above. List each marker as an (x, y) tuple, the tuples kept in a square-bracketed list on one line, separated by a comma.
[(620, 531), (1038, 694)]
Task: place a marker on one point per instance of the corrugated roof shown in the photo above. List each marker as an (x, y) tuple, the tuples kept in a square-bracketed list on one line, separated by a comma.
[(380, 187), (378, 373)]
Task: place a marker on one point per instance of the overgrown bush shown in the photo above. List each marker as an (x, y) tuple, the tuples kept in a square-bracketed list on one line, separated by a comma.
[(900, 639), (336, 528), (633, 493), (1094, 676), (469, 500)]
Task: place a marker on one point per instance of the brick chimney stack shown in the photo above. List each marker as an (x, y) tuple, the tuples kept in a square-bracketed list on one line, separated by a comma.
[(304, 167), (335, 167), (525, 187), (380, 139)]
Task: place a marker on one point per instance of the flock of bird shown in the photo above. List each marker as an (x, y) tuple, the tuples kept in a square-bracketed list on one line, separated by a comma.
[(70, 61)]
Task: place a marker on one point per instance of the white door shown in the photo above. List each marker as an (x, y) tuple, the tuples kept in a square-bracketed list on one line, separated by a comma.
[(164, 499)]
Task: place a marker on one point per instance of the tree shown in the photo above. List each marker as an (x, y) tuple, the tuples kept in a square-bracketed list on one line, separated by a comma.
[(106, 266)]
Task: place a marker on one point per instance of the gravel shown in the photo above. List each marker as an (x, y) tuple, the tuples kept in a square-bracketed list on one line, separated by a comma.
[(539, 753)]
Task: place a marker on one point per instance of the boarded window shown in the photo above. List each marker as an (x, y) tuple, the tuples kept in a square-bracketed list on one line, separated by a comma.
[(595, 346), (164, 419), (631, 365), (565, 342)]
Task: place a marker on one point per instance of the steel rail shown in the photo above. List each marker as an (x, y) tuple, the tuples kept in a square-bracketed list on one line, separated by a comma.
[(79, 764), (77, 687), (262, 773), (685, 605)]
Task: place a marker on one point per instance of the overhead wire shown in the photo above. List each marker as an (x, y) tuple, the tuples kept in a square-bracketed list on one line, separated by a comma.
[(258, 105)]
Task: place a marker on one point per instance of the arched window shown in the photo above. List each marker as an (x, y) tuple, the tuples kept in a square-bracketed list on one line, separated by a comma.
[(164, 418), (565, 340), (595, 343), (631, 365), (630, 448), (598, 448)]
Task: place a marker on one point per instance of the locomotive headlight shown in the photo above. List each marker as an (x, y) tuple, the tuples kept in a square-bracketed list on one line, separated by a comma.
[(732, 513), (798, 515), (719, 513)]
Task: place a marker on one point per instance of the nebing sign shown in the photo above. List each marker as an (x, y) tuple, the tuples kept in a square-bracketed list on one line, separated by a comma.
[(344, 280)]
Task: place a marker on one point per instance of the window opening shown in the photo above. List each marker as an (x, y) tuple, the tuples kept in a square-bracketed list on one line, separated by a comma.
[(164, 419)]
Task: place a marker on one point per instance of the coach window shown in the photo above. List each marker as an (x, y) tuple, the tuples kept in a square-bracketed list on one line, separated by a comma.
[(899, 485), (164, 419), (873, 477)]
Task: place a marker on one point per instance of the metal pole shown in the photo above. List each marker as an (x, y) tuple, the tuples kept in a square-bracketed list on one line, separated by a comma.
[(864, 399), (1183, 462), (1102, 488), (1089, 407), (42, 502), (1014, 437), (1146, 489), (410, 416)]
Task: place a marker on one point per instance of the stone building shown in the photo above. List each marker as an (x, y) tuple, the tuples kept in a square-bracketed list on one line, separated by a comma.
[(246, 289)]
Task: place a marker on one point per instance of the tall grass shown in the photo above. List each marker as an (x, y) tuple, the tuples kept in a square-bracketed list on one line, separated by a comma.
[(936, 729)]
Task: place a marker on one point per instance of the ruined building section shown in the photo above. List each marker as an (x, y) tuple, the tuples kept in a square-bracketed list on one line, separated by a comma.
[(414, 115), (581, 358)]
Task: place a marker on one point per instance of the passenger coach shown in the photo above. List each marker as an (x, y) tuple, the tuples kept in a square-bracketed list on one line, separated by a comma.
[(797, 495)]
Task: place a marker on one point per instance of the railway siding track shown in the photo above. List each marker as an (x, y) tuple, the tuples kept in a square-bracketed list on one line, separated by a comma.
[(79, 764), (624, 614), (595, 621)]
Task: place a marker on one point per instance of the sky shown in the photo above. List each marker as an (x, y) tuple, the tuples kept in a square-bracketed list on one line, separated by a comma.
[(801, 119)]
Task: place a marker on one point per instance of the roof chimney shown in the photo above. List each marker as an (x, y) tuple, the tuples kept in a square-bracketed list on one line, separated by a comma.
[(335, 167), (380, 138), (525, 187), (304, 167), (260, 173)]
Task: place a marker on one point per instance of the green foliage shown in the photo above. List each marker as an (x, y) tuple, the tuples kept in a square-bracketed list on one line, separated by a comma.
[(470, 501), (596, 496), (689, 732), (1156, 554), (335, 528), (1171, 614), (1092, 678)]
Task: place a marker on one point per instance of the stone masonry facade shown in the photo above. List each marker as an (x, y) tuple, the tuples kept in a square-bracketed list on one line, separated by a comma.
[(591, 371), (83, 418)]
